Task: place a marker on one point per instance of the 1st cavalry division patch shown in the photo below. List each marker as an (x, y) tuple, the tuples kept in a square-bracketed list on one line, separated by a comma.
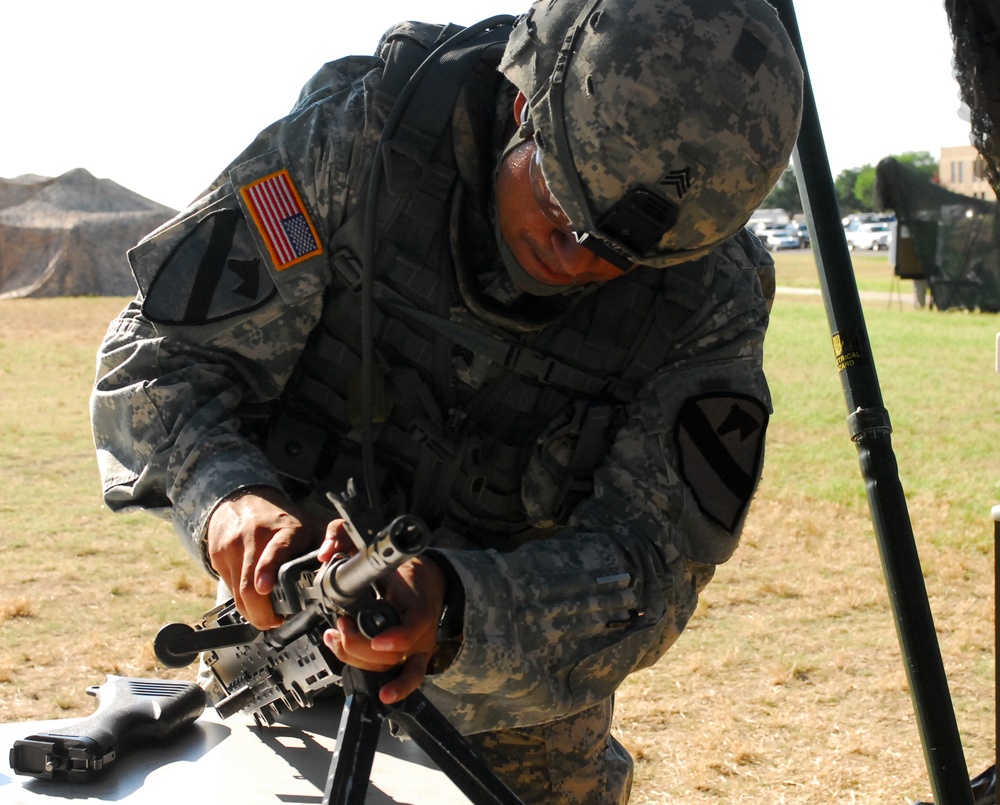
[(720, 439), (282, 219)]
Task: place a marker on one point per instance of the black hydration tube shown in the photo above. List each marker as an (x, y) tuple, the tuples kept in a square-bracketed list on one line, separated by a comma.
[(368, 253)]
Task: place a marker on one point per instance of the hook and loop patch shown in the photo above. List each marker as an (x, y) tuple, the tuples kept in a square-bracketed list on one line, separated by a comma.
[(720, 440)]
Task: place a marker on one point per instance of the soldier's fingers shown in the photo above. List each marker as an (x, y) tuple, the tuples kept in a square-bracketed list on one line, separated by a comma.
[(278, 550), (256, 607), (411, 677), (335, 540), (353, 648), (258, 611)]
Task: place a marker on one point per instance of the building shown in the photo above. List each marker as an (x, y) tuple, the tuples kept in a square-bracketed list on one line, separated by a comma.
[(963, 170)]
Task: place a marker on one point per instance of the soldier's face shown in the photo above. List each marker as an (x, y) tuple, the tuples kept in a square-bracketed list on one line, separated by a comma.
[(537, 231)]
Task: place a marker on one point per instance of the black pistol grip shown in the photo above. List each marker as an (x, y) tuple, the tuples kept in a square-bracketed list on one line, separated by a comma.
[(129, 711)]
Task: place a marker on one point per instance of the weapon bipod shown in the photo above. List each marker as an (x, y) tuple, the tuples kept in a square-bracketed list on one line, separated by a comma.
[(360, 725)]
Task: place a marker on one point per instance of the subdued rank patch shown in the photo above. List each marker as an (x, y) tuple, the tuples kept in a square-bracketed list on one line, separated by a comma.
[(282, 220), (678, 180), (720, 440), (215, 271)]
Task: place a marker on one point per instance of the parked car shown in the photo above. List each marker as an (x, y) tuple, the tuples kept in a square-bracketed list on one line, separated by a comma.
[(779, 237), (803, 232), (872, 236)]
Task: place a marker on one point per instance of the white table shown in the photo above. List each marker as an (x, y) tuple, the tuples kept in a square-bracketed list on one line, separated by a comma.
[(233, 762)]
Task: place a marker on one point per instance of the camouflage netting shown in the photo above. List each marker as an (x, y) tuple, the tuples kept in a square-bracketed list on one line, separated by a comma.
[(975, 30), (68, 236), (950, 240)]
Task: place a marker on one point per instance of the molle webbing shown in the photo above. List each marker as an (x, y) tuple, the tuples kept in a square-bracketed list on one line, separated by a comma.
[(447, 444)]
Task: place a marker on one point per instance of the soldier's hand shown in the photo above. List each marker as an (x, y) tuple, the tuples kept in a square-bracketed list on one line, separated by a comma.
[(249, 537), (416, 590)]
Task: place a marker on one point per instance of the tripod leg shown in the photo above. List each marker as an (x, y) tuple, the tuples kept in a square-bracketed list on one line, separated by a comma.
[(449, 750), (351, 765)]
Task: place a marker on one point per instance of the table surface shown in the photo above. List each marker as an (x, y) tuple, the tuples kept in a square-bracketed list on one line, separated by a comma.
[(234, 761)]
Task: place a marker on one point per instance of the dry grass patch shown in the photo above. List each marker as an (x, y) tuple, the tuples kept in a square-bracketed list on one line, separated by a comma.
[(17, 608), (771, 697)]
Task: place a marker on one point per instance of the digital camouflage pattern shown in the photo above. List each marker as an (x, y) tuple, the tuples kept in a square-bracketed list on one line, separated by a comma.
[(697, 101), (552, 627), (567, 762), (165, 412)]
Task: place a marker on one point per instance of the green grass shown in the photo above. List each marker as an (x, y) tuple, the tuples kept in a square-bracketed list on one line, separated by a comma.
[(83, 591), (937, 379), (796, 268), (788, 686)]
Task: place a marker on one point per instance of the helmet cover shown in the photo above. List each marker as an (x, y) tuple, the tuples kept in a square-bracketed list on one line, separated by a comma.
[(660, 125)]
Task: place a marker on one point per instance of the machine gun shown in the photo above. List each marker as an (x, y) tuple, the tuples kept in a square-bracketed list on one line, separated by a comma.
[(268, 673)]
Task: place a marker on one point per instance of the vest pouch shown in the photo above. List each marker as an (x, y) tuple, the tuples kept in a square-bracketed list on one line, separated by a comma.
[(295, 447)]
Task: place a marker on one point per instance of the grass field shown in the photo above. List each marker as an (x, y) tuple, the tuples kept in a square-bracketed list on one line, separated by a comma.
[(788, 686), (796, 268)]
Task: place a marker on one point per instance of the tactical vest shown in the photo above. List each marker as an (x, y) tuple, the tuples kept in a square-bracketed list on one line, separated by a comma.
[(488, 430)]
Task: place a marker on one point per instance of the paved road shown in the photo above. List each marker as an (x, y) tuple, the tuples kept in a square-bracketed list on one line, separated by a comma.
[(904, 300)]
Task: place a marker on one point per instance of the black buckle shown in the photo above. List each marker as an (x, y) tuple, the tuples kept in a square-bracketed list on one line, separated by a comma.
[(638, 221)]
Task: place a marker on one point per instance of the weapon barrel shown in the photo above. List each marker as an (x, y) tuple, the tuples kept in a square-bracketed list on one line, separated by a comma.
[(344, 582)]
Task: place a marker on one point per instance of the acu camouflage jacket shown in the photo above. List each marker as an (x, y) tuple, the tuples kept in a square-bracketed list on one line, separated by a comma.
[(564, 603)]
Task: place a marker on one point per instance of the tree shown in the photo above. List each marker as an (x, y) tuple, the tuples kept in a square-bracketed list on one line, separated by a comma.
[(844, 185), (785, 195), (855, 187), (922, 161), (864, 189)]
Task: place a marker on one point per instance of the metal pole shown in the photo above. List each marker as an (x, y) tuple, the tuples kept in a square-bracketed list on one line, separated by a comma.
[(996, 620), (868, 422)]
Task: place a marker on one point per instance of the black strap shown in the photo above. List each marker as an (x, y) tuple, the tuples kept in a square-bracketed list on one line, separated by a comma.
[(520, 359)]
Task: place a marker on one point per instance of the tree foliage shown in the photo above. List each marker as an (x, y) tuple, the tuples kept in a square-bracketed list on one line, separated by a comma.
[(785, 195), (844, 185), (864, 189), (922, 161), (855, 187)]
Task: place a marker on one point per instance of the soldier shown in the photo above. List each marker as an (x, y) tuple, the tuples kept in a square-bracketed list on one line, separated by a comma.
[(504, 285)]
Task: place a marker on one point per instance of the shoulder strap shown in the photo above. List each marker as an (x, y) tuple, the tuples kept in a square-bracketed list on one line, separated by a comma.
[(424, 110), (427, 113), (404, 48)]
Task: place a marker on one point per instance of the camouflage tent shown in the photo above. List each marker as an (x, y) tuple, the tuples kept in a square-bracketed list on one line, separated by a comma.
[(68, 236), (975, 30), (950, 240)]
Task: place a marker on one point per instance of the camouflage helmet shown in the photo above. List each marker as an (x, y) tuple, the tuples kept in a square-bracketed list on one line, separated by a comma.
[(660, 125)]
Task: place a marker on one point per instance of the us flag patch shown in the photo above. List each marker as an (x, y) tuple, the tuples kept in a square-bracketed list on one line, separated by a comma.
[(282, 220)]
